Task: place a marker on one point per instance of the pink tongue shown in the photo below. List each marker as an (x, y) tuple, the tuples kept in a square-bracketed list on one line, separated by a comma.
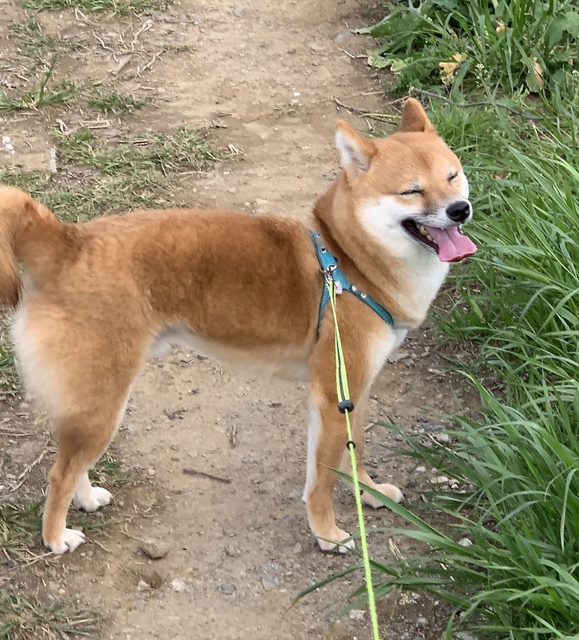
[(452, 244)]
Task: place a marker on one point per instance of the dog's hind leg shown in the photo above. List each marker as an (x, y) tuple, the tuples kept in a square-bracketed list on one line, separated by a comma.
[(89, 498), (82, 438), (81, 373)]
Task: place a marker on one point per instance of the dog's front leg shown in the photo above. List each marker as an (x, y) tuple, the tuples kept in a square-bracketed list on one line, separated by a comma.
[(358, 429), (327, 440)]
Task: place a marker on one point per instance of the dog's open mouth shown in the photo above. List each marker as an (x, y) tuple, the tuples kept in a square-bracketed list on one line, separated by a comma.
[(450, 244)]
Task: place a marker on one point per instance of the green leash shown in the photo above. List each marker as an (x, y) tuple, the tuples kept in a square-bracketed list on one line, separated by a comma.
[(345, 406)]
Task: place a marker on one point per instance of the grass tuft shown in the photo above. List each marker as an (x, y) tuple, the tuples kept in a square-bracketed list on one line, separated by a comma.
[(25, 618), (21, 520), (99, 177), (35, 44), (114, 102), (117, 7), (167, 152), (61, 93)]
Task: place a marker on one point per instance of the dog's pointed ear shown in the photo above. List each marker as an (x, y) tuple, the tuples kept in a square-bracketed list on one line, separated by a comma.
[(414, 118), (356, 151)]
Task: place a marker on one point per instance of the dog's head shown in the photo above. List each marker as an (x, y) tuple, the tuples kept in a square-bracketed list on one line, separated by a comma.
[(409, 191)]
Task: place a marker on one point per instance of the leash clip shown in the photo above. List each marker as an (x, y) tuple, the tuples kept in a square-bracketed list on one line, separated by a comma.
[(329, 276)]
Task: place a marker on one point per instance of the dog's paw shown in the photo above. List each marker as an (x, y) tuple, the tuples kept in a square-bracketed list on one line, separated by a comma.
[(331, 541), (93, 500), (389, 490), (68, 541)]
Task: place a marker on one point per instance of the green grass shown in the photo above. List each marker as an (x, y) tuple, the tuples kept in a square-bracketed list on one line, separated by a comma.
[(118, 7), (108, 472), (34, 44), (114, 102), (9, 380), (41, 96), (510, 45), (167, 152), (99, 177), (20, 524), (80, 196), (21, 519), (29, 618)]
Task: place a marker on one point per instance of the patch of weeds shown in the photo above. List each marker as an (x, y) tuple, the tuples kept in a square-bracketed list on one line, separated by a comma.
[(108, 473), (114, 102), (285, 109), (25, 618), (181, 148), (20, 524), (512, 44), (118, 7), (86, 196), (99, 178), (9, 380), (21, 520), (43, 95), (177, 49), (34, 43)]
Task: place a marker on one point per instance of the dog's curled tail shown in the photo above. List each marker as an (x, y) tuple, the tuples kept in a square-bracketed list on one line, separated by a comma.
[(25, 226)]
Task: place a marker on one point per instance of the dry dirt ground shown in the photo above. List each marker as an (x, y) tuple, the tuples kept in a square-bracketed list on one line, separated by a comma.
[(264, 75)]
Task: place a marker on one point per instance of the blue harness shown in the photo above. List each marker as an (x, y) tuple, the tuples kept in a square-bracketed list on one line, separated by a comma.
[(329, 266)]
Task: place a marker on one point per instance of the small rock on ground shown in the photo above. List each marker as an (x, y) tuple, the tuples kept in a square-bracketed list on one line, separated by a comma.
[(154, 549)]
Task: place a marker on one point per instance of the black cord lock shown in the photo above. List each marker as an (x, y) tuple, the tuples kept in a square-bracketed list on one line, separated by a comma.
[(346, 405)]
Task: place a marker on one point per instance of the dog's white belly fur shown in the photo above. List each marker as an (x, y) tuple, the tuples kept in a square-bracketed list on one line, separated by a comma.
[(280, 361)]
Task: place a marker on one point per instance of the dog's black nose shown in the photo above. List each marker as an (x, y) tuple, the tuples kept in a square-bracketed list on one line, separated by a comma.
[(458, 211)]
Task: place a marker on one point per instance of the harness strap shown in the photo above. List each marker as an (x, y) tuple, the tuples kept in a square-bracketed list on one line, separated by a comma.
[(329, 266)]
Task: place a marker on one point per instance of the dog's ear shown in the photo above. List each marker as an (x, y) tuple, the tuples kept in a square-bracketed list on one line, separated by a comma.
[(356, 151), (414, 118)]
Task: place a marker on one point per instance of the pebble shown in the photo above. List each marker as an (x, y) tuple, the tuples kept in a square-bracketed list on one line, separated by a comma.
[(152, 579), (422, 622), (154, 549), (399, 355), (342, 38), (357, 614), (298, 548), (232, 550), (227, 589), (269, 583), (177, 585), (240, 12)]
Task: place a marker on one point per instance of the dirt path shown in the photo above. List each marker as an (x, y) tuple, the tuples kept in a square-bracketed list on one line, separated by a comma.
[(264, 74)]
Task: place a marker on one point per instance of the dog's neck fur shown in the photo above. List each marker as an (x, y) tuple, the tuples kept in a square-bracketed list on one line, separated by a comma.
[(406, 287)]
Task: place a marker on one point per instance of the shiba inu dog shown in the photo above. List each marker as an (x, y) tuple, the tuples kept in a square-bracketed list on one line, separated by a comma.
[(97, 299)]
